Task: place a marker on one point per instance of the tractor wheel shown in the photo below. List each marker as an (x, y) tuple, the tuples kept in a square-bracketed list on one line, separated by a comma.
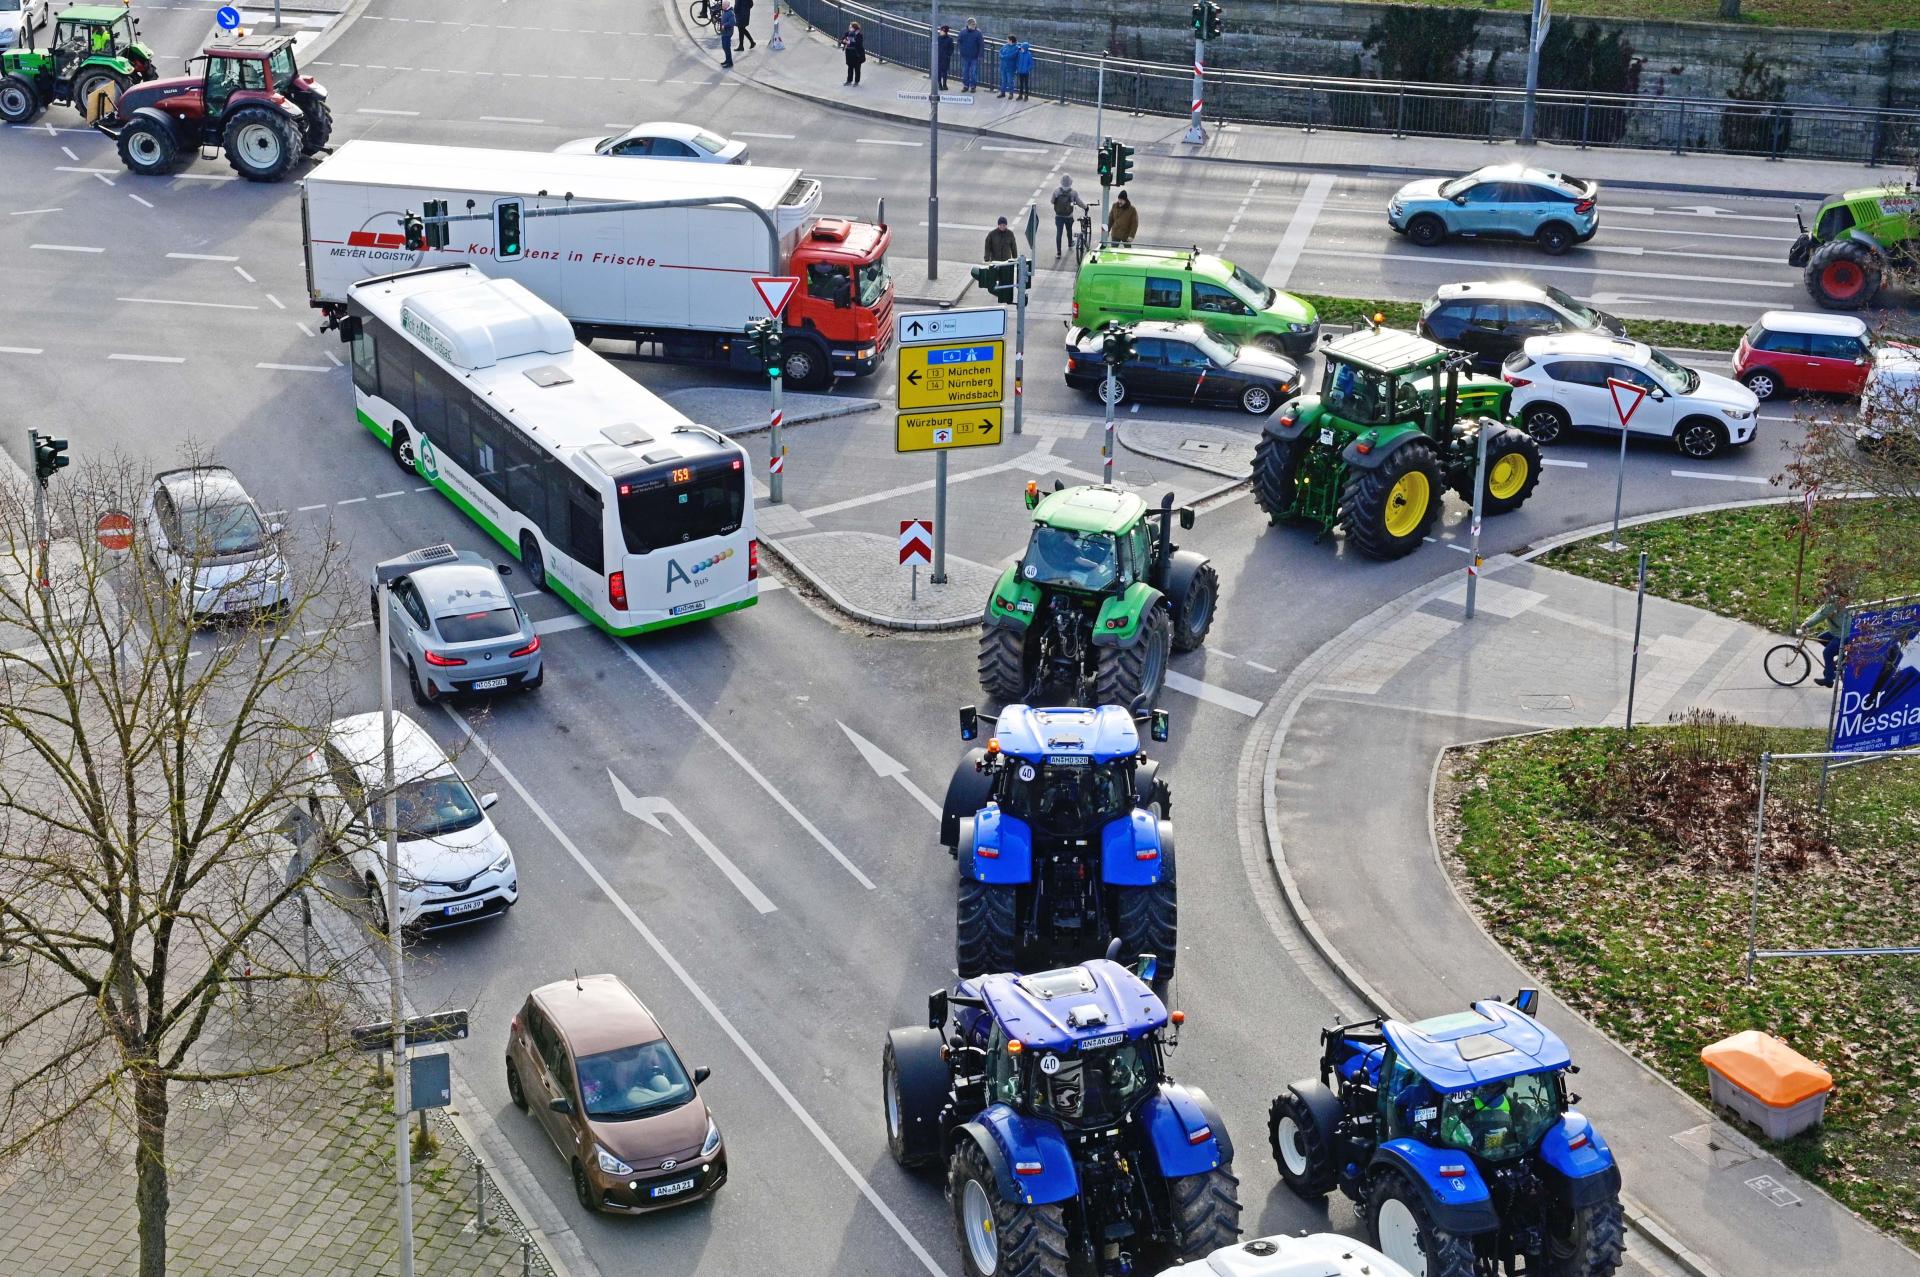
[(262, 144), (1147, 919), (1388, 510), (1426, 230), (984, 940), (1193, 611), (19, 100), (1276, 462), (999, 1238), (91, 79), (1589, 1243), (1404, 1231), (1844, 275), (967, 793), (1005, 670), (913, 1087), (1128, 674), (1206, 1209), (316, 129), (147, 147), (1513, 472), (1302, 1148)]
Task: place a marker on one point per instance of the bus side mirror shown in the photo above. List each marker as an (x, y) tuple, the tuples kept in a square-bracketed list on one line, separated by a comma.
[(1157, 725), (969, 722), (349, 329)]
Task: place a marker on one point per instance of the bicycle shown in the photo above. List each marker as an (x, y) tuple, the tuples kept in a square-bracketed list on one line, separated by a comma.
[(701, 13), (1082, 238), (1789, 663)]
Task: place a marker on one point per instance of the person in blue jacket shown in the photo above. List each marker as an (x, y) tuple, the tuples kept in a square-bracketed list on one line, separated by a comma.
[(973, 43), (1009, 59), (1023, 68)]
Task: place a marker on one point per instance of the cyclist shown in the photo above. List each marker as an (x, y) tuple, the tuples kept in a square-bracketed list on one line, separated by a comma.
[(1827, 618), (1065, 201)]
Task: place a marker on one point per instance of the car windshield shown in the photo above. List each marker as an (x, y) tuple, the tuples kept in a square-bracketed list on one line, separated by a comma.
[(1682, 378), (1216, 347), (1075, 560), (1586, 314), (434, 806), (217, 530), (1358, 394), (633, 1081), (1094, 1088), (1069, 791), (678, 504), (1502, 1120), (281, 64), (873, 279), (472, 627), (1253, 287)]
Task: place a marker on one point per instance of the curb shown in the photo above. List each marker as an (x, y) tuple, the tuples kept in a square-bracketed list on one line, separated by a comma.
[(1120, 434), (1592, 530), (845, 408), (839, 602)]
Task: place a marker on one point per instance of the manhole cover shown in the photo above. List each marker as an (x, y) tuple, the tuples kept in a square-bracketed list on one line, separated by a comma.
[(1201, 445), (1545, 700)]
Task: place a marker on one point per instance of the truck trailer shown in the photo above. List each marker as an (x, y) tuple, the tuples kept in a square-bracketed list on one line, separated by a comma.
[(677, 282)]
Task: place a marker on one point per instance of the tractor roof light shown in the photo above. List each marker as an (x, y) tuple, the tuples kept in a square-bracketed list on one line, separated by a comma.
[(993, 745), (1378, 319), (1178, 1017)]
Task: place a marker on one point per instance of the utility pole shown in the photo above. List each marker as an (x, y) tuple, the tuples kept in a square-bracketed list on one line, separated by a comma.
[(933, 197), (1100, 135), (1022, 266), (396, 949), (1536, 36)]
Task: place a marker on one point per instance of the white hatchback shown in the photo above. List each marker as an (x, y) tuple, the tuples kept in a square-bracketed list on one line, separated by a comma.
[(1563, 382), (454, 867)]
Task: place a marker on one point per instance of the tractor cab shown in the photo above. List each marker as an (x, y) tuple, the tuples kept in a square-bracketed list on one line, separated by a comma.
[(1067, 771), (1378, 377), (85, 33), (1487, 1082), (94, 48)]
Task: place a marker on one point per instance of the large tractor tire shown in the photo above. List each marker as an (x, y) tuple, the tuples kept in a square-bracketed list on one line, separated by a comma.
[(19, 100), (262, 143), (1276, 462), (147, 147), (913, 1088), (1513, 472), (1404, 1231), (1001, 1238), (1387, 511), (1147, 919), (1589, 1243), (985, 940), (1302, 1144), (1128, 674), (316, 129), (967, 793), (1844, 275), (1206, 1208), (89, 81), (1193, 610), (1005, 671)]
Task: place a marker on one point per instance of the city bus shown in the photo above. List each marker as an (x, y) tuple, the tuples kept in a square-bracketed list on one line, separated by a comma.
[(633, 513)]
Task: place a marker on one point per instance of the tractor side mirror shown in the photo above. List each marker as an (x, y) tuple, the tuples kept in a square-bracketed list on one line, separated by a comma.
[(969, 722), (1146, 967), (1157, 725), (1527, 1002), (936, 1008), (1186, 518)]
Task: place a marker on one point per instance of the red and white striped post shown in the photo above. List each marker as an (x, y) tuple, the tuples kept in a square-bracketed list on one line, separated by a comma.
[(1196, 131)]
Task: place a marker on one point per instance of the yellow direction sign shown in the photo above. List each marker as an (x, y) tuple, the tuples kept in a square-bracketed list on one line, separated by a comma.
[(950, 428), (952, 373)]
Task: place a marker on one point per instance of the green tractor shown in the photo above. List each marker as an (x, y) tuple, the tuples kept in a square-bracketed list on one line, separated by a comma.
[(94, 47), (1375, 449), (1097, 605), (1858, 239)]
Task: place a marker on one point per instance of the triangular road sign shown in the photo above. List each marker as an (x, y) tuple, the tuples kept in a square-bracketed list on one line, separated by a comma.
[(1626, 398), (775, 290)]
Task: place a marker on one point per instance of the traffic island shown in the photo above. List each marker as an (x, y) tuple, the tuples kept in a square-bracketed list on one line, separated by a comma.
[(858, 573)]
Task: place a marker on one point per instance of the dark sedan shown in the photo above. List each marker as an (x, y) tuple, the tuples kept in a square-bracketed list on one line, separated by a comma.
[(1184, 363)]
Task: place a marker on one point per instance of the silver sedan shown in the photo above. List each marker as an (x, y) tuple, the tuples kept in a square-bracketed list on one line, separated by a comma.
[(459, 630)]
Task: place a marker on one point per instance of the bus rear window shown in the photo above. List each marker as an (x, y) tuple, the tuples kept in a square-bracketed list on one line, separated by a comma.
[(673, 506)]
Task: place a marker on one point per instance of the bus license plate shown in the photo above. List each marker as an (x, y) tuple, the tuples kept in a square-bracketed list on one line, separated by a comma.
[(464, 906), (488, 684), (668, 1190), (685, 608)]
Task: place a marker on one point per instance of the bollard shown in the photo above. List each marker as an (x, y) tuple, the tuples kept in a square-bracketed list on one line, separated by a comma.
[(774, 44), (526, 1257), (479, 1197)]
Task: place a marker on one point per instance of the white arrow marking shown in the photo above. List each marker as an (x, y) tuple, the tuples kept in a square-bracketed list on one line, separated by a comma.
[(1696, 212), (651, 809), (1642, 299), (887, 767)]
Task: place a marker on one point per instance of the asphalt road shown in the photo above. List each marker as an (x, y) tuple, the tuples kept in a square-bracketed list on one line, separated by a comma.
[(153, 316)]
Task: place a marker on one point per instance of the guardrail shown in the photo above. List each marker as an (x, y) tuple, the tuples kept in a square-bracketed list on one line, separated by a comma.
[(1773, 130)]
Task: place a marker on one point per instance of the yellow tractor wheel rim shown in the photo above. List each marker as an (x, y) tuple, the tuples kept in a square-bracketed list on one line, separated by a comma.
[(1509, 473), (1407, 504)]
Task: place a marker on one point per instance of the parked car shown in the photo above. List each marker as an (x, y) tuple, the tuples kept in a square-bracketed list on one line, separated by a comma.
[(1491, 319), (1890, 404), (459, 630), (1185, 285), (1184, 363), (662, 140), (1801, 350), (1509, 200), (208, 540), (1561, 384), (455, 868), (591, 1064), (17, 17)]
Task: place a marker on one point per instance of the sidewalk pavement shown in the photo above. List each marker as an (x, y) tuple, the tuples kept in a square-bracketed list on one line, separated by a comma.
[(1361, 870), (811, 67)]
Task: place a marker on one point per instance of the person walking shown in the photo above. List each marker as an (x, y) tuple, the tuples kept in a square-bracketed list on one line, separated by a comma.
[(742, 14), (973, 42), (1065, 200), (854, 45), (946, 44), (1023, 68), (1001, 246), (1123, 220), (726, 22), (1009, 58)]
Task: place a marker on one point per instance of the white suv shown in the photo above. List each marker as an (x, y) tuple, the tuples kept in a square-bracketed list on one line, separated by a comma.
[(455, 868), (1560, 384)]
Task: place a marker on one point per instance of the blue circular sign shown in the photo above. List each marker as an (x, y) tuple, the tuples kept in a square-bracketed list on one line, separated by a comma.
[(228, 17)]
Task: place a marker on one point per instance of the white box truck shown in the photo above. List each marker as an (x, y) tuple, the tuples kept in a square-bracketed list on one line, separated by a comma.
[(678, 282)]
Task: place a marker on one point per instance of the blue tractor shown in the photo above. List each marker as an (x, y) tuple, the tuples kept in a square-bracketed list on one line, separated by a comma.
[(1046, 1099), (1456, 1139), (1059, 826)]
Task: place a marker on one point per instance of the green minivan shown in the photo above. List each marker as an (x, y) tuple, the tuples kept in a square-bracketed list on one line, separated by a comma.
[(1129, 284)]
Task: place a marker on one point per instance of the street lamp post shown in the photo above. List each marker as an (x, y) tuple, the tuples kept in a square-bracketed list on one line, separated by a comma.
[(933, 145), (396, 949)]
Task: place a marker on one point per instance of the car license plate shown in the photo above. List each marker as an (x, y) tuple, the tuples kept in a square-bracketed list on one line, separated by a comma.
[(488, 684), (464, 906), (1107, 1039), (668, 1190), (1326, 438), (685, 608)]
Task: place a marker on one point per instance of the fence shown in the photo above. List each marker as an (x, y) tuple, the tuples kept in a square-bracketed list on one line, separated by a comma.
[(1775, 130)]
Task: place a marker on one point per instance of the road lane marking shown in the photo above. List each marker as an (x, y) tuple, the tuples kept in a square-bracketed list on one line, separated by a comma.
[(959, 226), (69, 151), (382, 496), (205, 177), (1613, 210), (701, 996), (304, 330), (844, 177), (136, 199), (1571, 465), (202, 257), (1762, 480), (886, 767), (351, 501), (303, 509), (27, 212), (66, 248), (511, 119), (1264, 669), (150, 359), (783, 137), (102, 177), (558, 624), (1491, 263), (651, 810), (374, 110), (1214, 695), (1765, 239), (277, 303), (333, 359), (1299, 230), (68, 168), (168, 301), (1015, 150), (884, 141), (295, 368), (1040, 455), (243, 275), (1635, 250), (20, 350)]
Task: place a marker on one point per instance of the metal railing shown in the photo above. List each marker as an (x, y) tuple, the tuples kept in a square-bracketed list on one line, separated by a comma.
[(1773, 130)]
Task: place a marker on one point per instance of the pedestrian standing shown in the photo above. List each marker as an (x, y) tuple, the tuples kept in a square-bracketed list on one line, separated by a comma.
[(973, 43), (1001, 246), (1123, 222), (1009, 58), (1023, 68), (742, 14), (726, 23), (947, 44), (854, 45), (1065, 200)]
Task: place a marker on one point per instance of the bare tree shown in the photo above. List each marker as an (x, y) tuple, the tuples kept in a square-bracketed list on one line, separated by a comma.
[(146, 760)]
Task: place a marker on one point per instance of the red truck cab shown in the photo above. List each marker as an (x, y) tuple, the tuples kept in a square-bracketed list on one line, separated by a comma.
[(845, 295)]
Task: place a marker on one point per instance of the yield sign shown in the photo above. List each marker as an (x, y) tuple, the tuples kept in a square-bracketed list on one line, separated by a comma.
[(774, 290), (1626, 398), (916, 542)]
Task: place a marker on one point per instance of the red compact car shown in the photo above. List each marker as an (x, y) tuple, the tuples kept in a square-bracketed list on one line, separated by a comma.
[(1790, 350)]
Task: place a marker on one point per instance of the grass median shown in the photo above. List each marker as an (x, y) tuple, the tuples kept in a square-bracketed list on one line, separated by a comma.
[(1618, 871), (1671, 333)]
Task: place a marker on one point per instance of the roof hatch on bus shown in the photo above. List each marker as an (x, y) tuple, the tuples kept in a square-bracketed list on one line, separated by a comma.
[(477, 325), (626, 434)]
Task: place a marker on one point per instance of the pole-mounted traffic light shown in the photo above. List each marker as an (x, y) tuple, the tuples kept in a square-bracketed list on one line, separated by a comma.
[(414, 229), (997, 278), (1122, 164), (1116, 343), (764, 336), (1200, 19), (1106, 162), (1213, 20), (507, 216), (49, 455), (434, 213)]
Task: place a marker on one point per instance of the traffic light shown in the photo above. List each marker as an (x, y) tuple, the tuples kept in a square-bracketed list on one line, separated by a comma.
[(49, 454), (1122, 164), (507, 215), (997, 278), (1116, 343), (1106, 162), (434, 212), (1213, 20), (764, 336), (1199, 19), (414, 230)]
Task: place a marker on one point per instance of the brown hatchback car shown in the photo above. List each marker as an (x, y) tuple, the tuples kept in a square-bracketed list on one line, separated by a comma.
[(586, 1058)]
